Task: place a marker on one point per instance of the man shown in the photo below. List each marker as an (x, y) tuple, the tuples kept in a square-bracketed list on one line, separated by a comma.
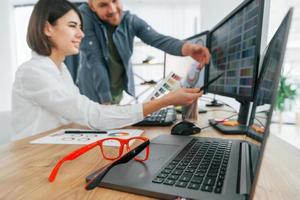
[(105, 68)]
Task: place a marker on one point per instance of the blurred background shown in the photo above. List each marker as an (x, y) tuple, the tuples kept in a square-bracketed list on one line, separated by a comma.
[(177, 18)]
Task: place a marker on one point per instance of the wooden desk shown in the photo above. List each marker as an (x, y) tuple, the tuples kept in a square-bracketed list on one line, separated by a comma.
[(25, 167)]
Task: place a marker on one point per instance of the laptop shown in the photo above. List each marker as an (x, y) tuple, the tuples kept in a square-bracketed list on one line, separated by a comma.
[(208, 168)]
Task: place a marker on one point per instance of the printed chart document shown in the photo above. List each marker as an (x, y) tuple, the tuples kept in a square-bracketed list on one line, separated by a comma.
[(60, 137)]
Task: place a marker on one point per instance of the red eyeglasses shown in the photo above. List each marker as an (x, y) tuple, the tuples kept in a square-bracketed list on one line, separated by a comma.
[(134, 146)]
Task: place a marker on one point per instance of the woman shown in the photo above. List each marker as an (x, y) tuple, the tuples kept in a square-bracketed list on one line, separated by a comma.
[(44, 95)]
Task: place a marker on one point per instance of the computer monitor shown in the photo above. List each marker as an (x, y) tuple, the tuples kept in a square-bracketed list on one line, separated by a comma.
[(235, 48), (186, 67), (268, 80)]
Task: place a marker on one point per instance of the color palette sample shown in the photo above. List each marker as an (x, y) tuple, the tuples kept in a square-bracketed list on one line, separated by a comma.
[(170, 83)]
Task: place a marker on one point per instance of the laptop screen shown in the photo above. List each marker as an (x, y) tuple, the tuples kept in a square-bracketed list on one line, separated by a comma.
[(266, 90)]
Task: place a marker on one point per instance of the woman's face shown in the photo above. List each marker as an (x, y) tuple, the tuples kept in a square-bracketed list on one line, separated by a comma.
[(66, 34)]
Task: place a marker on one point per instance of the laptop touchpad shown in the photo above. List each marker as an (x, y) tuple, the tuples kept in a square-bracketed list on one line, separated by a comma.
[(133, 171)]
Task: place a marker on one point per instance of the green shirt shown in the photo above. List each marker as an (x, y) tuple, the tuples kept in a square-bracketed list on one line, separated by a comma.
[(116, 68)]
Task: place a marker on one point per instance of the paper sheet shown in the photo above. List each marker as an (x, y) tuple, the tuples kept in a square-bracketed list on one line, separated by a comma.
[(60, 137)]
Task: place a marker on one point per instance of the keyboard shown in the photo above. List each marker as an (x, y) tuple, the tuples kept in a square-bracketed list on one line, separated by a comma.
[(199, 166), (163, 117)]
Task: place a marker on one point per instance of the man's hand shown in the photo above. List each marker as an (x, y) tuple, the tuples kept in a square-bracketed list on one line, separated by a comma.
[(197, 52)]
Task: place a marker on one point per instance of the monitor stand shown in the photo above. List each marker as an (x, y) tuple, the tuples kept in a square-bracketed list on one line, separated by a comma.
[(238, 127), (214, 103)]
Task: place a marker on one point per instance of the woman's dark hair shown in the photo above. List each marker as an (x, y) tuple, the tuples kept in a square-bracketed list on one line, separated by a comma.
[(46, 11)]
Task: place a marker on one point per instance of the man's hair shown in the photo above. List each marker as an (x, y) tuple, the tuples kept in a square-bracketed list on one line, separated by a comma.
[(46, 11)]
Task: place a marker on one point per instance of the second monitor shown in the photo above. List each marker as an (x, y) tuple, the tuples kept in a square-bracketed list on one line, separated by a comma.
[(235, 49)]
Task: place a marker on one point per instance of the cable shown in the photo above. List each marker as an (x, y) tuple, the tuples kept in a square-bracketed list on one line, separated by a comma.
[(206, 97), (261, 117), (219, 121), (230, 111), (220, 101), (262, 124)]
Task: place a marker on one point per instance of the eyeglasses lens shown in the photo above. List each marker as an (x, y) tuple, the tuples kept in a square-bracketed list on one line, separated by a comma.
[(111, 149), (136, 142)]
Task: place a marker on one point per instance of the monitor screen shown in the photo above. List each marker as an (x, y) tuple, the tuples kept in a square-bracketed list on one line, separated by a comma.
[(186, 67), (235, 49)]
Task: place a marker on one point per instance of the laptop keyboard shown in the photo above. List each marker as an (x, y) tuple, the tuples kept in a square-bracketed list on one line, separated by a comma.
[(201, 165), (163, 117)]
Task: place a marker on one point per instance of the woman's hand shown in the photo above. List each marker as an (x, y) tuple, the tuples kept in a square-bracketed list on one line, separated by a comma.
[(183, 96), (180, 97)]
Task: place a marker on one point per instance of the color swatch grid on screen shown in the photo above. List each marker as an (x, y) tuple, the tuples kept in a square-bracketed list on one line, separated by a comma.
[(233, 47)]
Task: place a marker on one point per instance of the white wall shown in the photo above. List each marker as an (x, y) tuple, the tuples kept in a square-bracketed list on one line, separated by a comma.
[(6, 55), (178, 19)]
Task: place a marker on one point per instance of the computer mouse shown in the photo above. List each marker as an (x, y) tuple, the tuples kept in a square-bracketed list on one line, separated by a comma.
[(185, 128)]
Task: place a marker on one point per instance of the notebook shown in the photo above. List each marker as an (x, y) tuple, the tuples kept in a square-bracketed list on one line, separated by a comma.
[(208, 168)]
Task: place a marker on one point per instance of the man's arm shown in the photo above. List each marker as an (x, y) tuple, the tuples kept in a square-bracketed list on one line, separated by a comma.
[(169, 44)]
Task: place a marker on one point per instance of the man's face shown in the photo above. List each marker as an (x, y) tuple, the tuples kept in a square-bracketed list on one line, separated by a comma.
[(109, 11)]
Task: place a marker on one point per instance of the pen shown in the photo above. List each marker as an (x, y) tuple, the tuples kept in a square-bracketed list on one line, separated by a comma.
[(85, 132)]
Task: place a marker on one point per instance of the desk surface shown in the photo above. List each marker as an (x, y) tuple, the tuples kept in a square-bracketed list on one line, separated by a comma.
[(25, 167)]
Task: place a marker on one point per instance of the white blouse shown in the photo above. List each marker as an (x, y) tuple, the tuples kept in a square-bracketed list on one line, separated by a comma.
[(45, 97)]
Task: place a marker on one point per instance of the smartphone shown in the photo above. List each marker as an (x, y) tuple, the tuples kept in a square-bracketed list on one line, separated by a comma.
[(205, 86)]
